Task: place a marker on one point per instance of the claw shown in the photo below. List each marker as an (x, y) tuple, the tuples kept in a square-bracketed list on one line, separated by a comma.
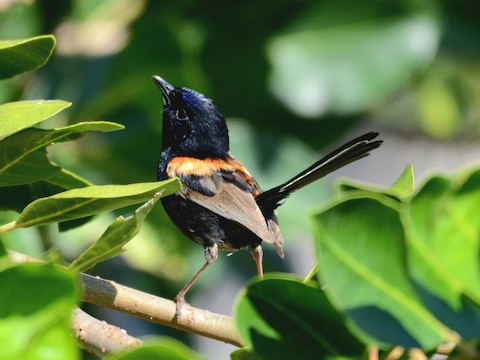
[(211, 255), (179, 303)]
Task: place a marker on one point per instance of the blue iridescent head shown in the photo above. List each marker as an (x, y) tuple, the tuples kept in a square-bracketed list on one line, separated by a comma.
[(192, 124)]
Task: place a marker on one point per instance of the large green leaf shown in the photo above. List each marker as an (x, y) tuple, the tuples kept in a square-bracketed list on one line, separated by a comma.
[(91, 200), (362, 264), (19, 56), (402, 189), (443, 232), (157, 349), (111, 242), (24, 156), (330, 61), (67, 180), (280, 317), (36, 302), (15, 198), (18, 115)]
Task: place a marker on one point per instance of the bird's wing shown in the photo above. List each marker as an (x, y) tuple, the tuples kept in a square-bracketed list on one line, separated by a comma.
[(225, 187), (232, 202)]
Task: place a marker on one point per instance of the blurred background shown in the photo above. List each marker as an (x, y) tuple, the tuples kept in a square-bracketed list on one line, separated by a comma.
[(295, 79)]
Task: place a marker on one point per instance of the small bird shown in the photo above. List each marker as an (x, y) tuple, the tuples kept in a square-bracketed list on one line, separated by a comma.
[(221, 206)]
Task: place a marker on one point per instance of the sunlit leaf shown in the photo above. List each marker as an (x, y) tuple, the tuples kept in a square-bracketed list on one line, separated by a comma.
[(66, 179), (18, 115), (19, 56), (362, 264), (404, 185), (15, 198), (35, 311), (443, 232), (111, 242), (91, 200), (25, 158)]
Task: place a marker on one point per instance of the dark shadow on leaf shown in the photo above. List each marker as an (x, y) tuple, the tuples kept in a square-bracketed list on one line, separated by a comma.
[(465, 321), (382, 326), (305, 324)]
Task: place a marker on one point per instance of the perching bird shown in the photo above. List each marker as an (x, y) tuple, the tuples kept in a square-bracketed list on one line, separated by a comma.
[(221, 206)]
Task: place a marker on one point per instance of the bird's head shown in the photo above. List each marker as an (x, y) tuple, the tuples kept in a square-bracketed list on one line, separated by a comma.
[(192, 124)]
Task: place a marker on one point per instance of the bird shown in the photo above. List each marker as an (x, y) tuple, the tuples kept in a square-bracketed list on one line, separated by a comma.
[(220, 205)]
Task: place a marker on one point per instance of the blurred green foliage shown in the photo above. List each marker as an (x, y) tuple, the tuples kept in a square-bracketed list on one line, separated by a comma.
[(290, 76)]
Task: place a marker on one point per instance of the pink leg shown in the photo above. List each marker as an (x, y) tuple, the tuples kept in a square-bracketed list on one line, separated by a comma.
[(211, 254), (257, 254)]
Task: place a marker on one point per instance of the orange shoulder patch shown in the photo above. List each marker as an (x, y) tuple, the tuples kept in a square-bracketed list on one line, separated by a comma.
[(183, 165)]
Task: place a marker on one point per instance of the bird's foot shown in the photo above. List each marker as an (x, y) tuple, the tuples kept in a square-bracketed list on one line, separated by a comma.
[(179, 303)]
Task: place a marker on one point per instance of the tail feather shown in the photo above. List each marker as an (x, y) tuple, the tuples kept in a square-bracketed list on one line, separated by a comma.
[(350, 152)]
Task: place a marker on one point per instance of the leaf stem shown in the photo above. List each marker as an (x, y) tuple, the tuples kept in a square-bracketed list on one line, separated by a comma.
[(8, 227), (311, 273)]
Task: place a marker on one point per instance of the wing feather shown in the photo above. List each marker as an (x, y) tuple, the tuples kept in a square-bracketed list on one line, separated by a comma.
[(233, 203), (226, 188)]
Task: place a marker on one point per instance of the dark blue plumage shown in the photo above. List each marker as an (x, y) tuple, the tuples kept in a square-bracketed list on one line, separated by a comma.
[(221, 205)]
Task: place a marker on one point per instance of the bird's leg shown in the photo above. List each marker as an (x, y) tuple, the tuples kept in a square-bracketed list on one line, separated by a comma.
[(211, 254), (257, 254)]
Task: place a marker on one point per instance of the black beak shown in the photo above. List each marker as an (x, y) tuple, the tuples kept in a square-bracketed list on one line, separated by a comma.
[(167, 89)]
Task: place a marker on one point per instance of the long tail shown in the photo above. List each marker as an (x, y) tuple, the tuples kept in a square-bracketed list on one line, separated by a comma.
[(350, 152)]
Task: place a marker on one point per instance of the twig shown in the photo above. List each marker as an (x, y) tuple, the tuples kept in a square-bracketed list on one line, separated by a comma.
[(158, 310), (7, 227), (152, 308), (98, 337)]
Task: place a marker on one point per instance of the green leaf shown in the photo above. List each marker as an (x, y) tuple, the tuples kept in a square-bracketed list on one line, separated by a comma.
[(403, 187), (67, 180), (110, 244), (350, 63), (159, 349), (15, 198), (25, 158), (244, 354), (35, 309), (280, 314), (361, 256), (19, 56), (3, 251), (91, 200), (19, 115), (443, 232)]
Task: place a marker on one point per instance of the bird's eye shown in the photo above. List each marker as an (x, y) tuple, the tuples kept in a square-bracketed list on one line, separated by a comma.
[(182, 114)]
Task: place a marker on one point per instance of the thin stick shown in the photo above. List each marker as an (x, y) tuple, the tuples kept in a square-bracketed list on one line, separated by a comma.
[(98, 337), (158, 310), (152, 308), (8, 227)]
